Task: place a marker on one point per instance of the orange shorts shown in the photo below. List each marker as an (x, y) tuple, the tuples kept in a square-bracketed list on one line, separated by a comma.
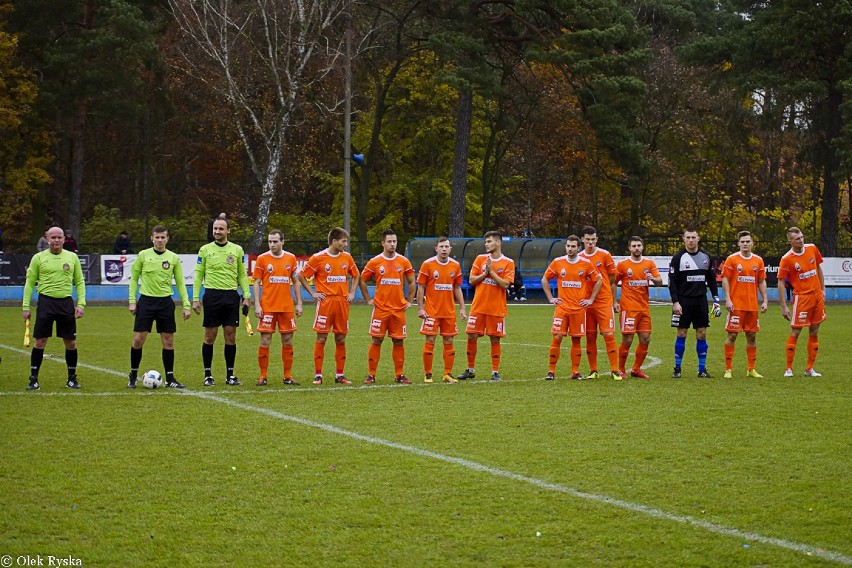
[(391, 323), (285, 321), (569, 323), (738, 321), (446, 327), (807, 310), (600, 317), (635, 321), (332, 316), (484, 324)]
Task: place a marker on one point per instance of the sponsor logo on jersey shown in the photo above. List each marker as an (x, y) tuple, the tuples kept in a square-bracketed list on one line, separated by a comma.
[(335, 279), (490, 281), (571, 284), (390, 282), (808, 274), (444, 287), (734, 321), (695, 278), (637, 283), (279, 280), (746, 279)]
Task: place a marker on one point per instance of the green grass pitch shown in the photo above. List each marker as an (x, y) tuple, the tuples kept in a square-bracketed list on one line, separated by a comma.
[(665, 472)]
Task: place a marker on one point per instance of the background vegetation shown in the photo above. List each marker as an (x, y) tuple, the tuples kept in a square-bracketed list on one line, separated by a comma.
[(531, 116)]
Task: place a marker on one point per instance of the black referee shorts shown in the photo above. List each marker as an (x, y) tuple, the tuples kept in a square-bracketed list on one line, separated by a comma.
[(696, 312), (59, 310), (221, 307), (150, 309)]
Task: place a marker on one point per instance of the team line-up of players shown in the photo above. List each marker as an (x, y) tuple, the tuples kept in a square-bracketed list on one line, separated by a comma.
[(585, 304)]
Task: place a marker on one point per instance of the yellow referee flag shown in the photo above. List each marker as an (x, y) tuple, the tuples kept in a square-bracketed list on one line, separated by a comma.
[(249, 329), (26, 333)]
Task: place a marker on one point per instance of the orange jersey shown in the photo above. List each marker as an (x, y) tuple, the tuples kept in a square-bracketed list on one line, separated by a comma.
[(801, 270), (329, 272), (438, 281), (276, 277), (490, 297), (603, 261), (634, 277), (572, 281), (744, 276), (390, 276)]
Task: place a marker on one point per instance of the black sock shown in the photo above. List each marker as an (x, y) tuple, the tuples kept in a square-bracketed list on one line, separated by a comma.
[(35, 361), (230, 357), (71, 361), (207, 359), (169, 363), (135, 359)]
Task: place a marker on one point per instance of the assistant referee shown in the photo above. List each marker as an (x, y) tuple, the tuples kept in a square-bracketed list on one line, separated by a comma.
[(55, 272), (221, 270)]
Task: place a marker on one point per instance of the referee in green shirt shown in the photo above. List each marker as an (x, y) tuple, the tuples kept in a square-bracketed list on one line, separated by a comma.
[(221, 270), (156, 267), (55, 272)]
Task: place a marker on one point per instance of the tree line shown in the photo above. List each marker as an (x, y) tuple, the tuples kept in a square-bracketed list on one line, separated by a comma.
[(533, 117)]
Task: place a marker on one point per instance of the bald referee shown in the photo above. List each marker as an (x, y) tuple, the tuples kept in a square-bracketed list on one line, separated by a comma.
[(55, 272), (221, 270)]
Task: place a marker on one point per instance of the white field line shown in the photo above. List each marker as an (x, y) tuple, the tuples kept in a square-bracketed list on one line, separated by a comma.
[(476, 466)]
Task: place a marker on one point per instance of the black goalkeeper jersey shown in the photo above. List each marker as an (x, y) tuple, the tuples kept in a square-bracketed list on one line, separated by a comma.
[(690, 274)]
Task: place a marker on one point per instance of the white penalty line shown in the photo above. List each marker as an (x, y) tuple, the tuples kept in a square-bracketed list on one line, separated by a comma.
[(476, 466)]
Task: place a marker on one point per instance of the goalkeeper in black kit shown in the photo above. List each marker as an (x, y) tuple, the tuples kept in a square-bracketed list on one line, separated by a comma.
[(691, 273)]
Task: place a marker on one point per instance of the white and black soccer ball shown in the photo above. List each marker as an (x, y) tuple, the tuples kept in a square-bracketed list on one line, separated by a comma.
[(152, 379)]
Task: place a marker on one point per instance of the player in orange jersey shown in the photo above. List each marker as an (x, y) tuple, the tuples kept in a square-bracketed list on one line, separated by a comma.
[(743, 280), (801, 265), (393, 274), (601, 314), (578, 284), (438, 285), (331, 269), (635, 273), (276, 272), (490, 275)]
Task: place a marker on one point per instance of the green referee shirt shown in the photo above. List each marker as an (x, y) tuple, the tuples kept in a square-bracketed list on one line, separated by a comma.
[(156, 271), (55, 275), (220, 267)]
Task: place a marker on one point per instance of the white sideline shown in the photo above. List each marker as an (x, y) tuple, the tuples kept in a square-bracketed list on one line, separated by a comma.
[(476, 466)]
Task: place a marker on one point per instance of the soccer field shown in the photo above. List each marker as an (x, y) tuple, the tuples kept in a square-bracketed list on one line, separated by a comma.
[(661, 472)]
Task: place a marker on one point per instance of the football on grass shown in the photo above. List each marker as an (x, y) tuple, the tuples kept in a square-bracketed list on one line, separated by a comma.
[(152, 379)]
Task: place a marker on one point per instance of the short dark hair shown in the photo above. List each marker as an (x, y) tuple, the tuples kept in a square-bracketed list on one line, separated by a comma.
[(689, 229), (277, 232), (224, 220), (386, 233), (634, 239), (337, 233), (589, 230), (573, 239), (742, 234), (495, 234), (157, 229), (793, 230), (441, 239)]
